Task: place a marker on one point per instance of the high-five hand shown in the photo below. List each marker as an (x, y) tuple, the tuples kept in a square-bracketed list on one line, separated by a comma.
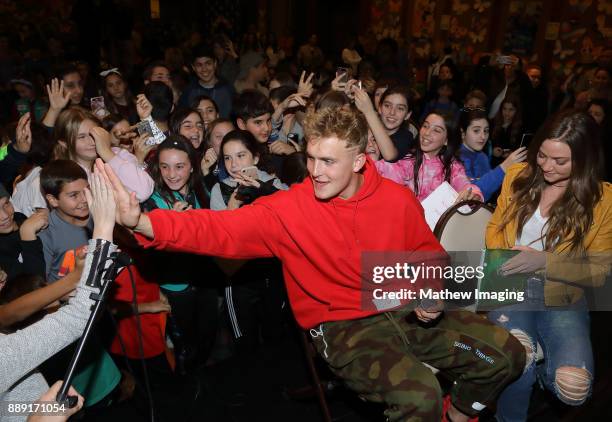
[(101, 206), (128, 208)]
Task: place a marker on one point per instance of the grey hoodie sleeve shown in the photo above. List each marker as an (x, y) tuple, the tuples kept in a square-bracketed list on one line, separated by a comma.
[(24, 350)]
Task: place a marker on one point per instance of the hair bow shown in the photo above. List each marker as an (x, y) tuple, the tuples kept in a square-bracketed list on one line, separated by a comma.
[(105, 73)]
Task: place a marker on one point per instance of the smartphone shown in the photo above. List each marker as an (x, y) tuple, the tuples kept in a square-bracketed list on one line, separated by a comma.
[(98, 107), (526, 139), (505, 60), (342, 71), (144, 127), (293, 137), (250, 171)]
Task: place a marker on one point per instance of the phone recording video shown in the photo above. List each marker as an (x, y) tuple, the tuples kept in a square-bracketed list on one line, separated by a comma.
[(98, 107), (250, 171), (505, 60), (342, 71)]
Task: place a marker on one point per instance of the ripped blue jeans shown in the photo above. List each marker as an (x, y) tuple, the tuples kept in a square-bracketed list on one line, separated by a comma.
[(563, 334)]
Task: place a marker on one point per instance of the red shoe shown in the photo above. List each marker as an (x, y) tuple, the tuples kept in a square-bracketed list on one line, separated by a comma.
[(446, 404)]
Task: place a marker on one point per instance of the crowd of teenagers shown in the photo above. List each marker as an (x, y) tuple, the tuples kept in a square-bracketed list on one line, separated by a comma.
[(243, 167)]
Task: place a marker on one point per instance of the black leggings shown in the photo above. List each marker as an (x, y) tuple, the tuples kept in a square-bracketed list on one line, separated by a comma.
[(195, 311)]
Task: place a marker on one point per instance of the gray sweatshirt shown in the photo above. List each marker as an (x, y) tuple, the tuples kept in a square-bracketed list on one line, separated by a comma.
[(216, 198), (21, 352)]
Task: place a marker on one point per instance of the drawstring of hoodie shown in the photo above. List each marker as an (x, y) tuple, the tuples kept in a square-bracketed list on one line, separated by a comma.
[(314, 333)]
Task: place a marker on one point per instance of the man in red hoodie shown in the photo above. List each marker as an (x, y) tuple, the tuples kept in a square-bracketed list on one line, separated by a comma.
[(319, 229)]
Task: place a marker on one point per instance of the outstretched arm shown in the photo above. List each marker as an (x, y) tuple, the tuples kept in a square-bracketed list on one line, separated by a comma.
[(252, 231), (26, 305), (248, 232), (385, 144)]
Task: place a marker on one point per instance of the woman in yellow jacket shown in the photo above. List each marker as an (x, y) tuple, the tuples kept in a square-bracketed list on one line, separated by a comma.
[(556, 211)]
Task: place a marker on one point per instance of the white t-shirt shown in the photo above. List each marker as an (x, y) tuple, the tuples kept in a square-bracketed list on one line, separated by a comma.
[(27, 196), (533, 234)]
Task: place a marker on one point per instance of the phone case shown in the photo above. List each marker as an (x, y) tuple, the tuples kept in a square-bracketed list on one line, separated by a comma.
[(144, 127), (250, 172)]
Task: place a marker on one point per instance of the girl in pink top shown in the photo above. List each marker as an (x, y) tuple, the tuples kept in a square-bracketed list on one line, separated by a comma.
[(81, 138), (395, 171), (435, 161)]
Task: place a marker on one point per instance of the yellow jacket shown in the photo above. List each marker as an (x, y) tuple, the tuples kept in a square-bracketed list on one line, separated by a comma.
[(564, 274)]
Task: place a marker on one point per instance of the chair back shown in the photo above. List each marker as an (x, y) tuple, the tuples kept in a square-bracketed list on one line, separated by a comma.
[(463, 226), (461, 232)]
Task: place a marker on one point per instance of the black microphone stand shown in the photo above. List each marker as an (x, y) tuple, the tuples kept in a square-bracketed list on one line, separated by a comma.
[(103, 279)]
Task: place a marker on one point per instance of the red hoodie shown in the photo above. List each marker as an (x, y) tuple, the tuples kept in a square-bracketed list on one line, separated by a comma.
[(319, 242)]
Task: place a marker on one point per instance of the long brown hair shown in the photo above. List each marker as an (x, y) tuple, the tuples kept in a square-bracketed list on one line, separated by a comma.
[(195, 183), (571, 215), (67, 130), (447, 155)]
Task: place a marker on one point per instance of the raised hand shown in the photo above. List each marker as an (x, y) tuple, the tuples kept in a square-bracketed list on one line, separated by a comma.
[(141, 148), (305, 85), (516, 156), (103, 140), (58, 96), (23, 134), (127, 206), (210, 158), (102, 206), (35, 223), (294, 100), (229, 47), (368, 84), (281, 148), (143, 107), (337, 85), (362, 101), (350, 88)]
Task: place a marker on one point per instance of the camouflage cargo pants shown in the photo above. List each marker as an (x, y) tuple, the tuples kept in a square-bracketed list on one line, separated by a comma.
[(381, 358)]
